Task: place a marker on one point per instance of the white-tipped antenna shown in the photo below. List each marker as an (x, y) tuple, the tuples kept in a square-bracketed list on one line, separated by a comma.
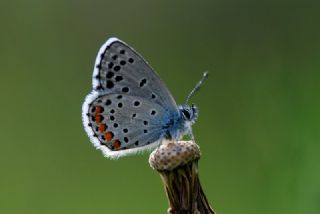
[(197, 87)]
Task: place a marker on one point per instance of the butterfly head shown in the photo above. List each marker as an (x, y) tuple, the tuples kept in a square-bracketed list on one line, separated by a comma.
[(189, 113)]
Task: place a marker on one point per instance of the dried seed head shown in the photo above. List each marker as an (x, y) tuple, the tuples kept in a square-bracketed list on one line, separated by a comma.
[(174, 154)]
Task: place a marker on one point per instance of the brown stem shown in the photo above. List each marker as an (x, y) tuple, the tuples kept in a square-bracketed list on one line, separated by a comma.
[(177, 163)]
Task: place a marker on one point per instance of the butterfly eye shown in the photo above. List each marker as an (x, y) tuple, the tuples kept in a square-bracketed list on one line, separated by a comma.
[(186, 114)]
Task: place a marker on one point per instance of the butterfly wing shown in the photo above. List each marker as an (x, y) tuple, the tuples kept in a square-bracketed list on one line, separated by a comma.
[(119, 69), (122, 124), (129, 106)]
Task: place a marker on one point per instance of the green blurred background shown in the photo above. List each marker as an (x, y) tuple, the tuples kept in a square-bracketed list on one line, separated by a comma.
[(259, 110)]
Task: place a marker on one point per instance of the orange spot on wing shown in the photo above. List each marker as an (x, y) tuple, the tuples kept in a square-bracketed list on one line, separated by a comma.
[(116, 144), (99, 109), (102, 127), (108, 136), (98, 118)]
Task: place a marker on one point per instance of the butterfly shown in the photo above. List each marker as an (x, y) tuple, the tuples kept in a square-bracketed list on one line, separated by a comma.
[(129, 109)]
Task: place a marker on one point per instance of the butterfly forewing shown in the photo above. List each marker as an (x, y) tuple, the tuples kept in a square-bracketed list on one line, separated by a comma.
[(119, 69)]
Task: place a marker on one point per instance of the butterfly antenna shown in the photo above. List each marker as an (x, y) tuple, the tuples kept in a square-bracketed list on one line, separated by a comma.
[(197, 87)]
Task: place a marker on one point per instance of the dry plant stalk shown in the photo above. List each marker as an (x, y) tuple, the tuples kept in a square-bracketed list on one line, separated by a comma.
[(177, 163)]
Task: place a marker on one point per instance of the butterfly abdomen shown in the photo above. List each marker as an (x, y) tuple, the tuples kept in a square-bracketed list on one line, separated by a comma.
[(175, 127)]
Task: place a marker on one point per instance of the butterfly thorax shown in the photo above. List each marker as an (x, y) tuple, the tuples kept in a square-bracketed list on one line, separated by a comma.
[(179, 126)]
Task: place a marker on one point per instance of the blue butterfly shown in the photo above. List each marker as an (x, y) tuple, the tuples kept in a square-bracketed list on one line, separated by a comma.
[(130, 109)]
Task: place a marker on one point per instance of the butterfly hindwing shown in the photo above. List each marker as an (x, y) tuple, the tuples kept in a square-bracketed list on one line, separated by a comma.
[(124, 123)]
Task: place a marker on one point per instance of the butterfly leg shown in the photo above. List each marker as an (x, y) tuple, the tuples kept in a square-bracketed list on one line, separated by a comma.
[(161, 142), (191, 136)]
